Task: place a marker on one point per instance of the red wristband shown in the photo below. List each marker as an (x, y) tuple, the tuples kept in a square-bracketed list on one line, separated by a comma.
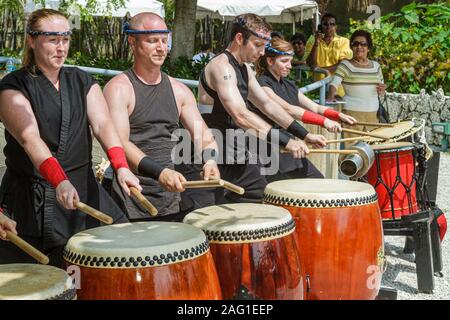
[(332, 114), (52, 171), (116, 156), (313, 118)]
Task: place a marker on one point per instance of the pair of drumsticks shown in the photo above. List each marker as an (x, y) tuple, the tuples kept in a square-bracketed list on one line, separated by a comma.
[(43, 259), (363, 136)]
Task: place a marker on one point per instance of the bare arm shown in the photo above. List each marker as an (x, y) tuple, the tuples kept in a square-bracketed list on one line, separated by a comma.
[(191, 118), (18, 117), (271, 109), (295, 111), (223, 81), (118, 94)]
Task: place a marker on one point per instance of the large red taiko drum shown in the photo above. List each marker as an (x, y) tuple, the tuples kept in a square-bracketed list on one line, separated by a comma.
[(144, 260), (339, 232), (254, 248)]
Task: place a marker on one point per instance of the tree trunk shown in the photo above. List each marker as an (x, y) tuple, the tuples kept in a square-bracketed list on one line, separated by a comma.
[(184, 29)]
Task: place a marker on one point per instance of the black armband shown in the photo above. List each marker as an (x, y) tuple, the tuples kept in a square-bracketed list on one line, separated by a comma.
[(283, 137), (210, 154), (297, 130), (150, 168)]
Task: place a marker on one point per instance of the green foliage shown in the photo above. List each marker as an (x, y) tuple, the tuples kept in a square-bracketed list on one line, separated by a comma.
[(80, 59), (413, 47)]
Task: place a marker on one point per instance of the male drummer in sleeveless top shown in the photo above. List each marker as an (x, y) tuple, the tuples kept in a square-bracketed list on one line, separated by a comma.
[(229, 84), (146, 106)]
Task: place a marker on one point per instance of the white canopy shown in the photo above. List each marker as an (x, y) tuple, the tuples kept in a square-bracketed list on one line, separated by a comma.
[(132, 6), (275, 11)]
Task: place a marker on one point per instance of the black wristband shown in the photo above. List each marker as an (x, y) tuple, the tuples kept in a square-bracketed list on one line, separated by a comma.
[(297, 130), (283, 137), (150, 168), (210, 154)]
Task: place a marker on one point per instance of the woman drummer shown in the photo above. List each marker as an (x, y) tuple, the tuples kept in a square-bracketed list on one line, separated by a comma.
[(272, 70), (49, 111)]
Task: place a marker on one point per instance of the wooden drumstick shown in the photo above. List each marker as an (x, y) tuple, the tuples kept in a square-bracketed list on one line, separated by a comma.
[(94, 213), (204, 184), (364, 133), (327, 151), (347, 139), (214, 183), (143, 200), (26, 247), (373, 124), (234, 188)]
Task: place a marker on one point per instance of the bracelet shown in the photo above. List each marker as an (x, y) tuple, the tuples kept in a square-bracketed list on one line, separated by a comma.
[(331, 114), (297, 130), (313, 118), (116, 156), (210, 154), (150, 168), (52, 171), (283, 137)]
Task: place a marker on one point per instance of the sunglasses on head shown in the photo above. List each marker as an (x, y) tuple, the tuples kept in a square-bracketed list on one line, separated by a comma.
[(357, 43)]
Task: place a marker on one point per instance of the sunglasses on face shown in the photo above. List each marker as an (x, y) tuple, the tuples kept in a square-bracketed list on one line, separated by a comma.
[(329, 24), (357, 43)]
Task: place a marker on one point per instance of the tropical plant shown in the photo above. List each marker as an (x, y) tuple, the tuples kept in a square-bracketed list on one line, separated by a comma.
[(413, 47)]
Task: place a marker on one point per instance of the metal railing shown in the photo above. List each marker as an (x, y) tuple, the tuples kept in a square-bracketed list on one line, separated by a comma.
[(321, 84)]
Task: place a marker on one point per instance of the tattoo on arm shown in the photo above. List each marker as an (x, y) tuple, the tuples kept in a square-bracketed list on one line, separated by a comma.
[(227, 77)]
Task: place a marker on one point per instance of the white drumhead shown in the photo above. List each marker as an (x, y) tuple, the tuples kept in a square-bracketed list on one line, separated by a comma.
[(34, 282), (136, 245), (242, 222), (319, 193)]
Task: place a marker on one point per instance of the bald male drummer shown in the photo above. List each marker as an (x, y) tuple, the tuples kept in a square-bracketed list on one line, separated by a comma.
[(147, 106), (229, 84)]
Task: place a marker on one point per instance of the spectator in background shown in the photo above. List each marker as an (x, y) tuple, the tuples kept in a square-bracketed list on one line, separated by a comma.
[(362, 80), (276, 34), (298, 42), (204, 54), (327, 49)]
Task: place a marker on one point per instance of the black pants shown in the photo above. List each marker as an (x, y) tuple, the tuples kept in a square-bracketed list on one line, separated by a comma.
[(10, 253)]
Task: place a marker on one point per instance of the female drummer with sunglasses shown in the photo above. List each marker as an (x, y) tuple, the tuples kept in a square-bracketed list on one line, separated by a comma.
[(362, 80), (272, 70)]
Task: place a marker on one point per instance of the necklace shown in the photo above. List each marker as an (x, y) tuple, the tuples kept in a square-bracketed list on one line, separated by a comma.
[(361, 64)]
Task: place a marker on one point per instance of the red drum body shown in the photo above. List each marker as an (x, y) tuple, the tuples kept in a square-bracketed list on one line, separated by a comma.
[(393, 177), (339, 232), (254, 249), (145, 260)]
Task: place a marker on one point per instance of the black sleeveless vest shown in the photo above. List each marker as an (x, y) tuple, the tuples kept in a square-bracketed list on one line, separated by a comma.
[(154, 118)]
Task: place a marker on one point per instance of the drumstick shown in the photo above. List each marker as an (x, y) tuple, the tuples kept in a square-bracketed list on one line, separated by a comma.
[(364, 133), (26, 247), (332, 151), (234, 188), (143, 200), (347, 139), (373, 124), (214, 183), (94, 213), (204, 184)]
